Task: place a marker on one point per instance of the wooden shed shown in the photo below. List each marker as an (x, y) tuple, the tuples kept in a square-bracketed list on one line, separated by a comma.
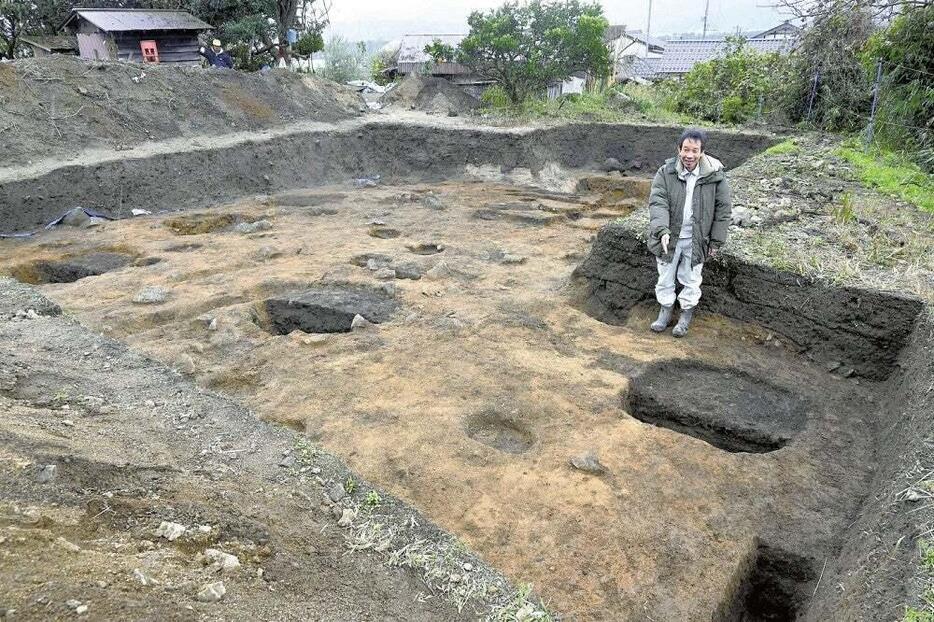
[(139, 35), (46, 46)]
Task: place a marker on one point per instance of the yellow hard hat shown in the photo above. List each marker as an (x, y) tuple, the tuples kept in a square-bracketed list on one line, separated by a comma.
[(216, 43)]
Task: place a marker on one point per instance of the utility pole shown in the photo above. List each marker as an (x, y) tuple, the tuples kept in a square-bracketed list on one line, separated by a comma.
[(706, 12), (875, 100), (648, 25)]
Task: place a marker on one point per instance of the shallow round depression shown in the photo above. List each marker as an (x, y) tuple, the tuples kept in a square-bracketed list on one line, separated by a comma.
[(499, 431)]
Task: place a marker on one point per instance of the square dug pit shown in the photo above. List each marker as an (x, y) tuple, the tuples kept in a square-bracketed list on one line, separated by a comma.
[(728, 408), (325, 309)]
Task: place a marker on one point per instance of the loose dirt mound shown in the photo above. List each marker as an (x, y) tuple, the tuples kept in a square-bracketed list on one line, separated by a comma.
[(57, 105), (430, 94)]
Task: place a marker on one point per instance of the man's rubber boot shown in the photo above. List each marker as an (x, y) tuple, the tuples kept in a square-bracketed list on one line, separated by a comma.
[(681, 328), (664, 318)]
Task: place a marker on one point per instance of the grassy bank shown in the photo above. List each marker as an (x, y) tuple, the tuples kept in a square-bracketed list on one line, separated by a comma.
[(891, 174)]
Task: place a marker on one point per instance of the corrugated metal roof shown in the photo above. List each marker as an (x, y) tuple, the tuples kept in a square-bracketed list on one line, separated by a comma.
[(681, 56), (650, 40), (123, 20), (54, 43), (412, 47)]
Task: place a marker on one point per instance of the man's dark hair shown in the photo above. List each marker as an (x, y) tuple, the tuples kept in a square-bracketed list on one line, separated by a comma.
[(693, 133)]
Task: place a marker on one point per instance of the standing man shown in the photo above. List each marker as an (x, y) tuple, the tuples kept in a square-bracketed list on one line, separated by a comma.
[(217, 56), (690, 202)]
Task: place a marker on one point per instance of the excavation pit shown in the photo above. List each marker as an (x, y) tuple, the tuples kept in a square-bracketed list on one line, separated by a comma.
[(197, 224), (776, 587), (728, 408), (71, 269), (325, 310)]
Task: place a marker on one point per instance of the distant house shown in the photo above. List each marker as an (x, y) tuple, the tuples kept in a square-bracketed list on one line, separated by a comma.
[(681, 55), (411, 57), (627, 47), (785, 30), (139, 35), (45, 46)]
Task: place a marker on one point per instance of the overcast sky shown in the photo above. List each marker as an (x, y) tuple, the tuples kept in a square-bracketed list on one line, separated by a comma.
[(389, 19)]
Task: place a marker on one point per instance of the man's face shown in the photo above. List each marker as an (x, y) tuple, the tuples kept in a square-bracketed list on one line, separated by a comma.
[(691, 151)]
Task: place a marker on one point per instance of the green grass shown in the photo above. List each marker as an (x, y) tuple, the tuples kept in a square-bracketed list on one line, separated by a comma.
[(603, 106), (891, 174), (784, 147), (926, 612)]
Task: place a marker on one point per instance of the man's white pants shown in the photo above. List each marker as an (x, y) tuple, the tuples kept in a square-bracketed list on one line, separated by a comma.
[(679, 267)]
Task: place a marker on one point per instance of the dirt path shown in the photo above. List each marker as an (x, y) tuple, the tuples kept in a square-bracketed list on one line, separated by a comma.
[(473, 398)]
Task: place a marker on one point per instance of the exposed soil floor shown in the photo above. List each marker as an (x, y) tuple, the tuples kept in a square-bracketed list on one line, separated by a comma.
[(485, 382)]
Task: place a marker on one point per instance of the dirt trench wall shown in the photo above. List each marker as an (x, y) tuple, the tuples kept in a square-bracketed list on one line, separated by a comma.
[(858, 329), (878, 571), (396, 151)]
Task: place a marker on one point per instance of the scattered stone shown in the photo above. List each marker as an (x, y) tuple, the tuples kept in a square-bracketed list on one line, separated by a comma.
[(140, 212), (76, 218), (510, 259), (439, 271), (213, 324), (72, 603), (212, 592), (68, 546), (360, 323), (411, 271), (225, 561), (288, 462), (431, 201), (833, 365), (253, 227), (346, 519), (81, 609), (467, 566), (337, 492), (143, 578), (268, 252), (385, 274), (47, 473), (170, 531), (588, 462), (610, 165), (373, 261), (151, 295)]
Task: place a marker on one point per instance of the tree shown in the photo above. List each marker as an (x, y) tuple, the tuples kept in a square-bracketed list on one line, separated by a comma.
[(828, 85), (20, 18), (905, 113), (344, 61), (526, 47), (731, 89)]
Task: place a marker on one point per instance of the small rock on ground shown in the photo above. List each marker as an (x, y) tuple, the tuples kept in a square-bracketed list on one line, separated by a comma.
[(212, 592), (151, 296), (169, 530), (588, 463)]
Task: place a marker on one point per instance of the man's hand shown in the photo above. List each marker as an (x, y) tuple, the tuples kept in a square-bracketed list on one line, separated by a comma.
[(201, 50), (665, 239)]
